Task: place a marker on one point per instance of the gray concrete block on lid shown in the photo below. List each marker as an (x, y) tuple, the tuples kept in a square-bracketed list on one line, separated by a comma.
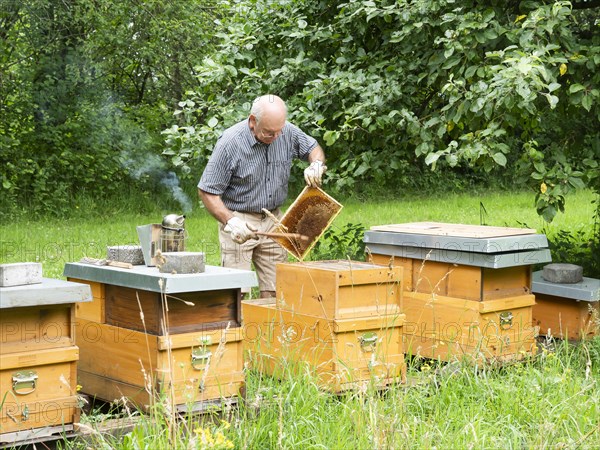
[(562, 273), (181, 262), (19, 274), (131, 254)]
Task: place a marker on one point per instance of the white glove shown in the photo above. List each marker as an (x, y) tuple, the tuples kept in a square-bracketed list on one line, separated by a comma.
[(240, 230), (314, 173)]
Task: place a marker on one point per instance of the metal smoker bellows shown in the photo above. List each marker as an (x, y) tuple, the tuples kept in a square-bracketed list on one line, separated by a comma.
[(172, 236)]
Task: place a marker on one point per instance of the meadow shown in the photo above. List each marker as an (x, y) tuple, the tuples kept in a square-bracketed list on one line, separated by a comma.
[(92, 227), (549, 400)]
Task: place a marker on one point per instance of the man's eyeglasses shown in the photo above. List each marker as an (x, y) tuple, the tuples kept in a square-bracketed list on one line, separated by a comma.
[(270, 134)]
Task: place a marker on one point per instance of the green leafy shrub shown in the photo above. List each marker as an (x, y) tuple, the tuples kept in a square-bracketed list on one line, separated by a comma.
[(342, 243), (504, 91), (581, 247)]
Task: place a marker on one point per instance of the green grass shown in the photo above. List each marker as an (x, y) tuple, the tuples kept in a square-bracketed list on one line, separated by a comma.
[(549, 401), (501, 209), (53, 242)]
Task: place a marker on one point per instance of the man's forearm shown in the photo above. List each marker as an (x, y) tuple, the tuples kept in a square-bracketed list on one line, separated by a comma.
[(215, 206), (316, 154)]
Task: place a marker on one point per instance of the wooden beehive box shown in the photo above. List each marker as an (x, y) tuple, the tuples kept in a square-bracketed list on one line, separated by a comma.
[(567, 311), (38, 359), (38, 391), (188, 368), (449, 328), (177, 335), (339, 289), (187, 311), (195, 302), (459, 280), (463, 261), (344, 353)]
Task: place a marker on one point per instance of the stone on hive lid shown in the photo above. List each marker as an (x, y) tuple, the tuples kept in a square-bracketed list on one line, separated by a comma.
[(19, 274), (562, 273), (181, 262), (131, 254)]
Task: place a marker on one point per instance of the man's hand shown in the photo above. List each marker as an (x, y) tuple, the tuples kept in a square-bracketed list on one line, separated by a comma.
[(313, 174), (240, 230)]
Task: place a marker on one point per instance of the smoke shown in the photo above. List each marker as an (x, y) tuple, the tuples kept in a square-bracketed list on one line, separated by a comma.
[(171, 181), (153, 167)]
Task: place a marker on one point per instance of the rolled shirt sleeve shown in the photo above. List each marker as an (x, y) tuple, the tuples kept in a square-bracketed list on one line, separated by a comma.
[(217, 173)]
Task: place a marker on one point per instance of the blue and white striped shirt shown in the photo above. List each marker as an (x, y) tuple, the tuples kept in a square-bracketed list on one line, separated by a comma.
[(250, 175)]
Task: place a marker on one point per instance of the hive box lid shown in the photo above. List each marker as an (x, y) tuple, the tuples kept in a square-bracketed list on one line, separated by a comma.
[(49, 292), (587, 289), (453, 229), (487, 260), (470, 245), (457, 237), (150, 279)]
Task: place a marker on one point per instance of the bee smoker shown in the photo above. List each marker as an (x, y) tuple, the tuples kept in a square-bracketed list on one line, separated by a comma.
[(172, 236)]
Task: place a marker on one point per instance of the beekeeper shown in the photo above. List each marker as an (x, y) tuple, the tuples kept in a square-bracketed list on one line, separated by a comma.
[(249, 171)]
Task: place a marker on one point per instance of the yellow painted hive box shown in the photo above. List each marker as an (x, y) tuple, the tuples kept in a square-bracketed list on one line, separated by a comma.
[(460, 281), (187, 311), (564, 318), (185, 368), (38, 359), (470, 262), (339, 289), (38, 389), (567, 310), (342, 353), (150, 336), (34, 328), (448, 328)]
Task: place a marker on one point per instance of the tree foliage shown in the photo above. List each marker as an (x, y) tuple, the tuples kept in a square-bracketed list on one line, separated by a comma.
[(86, 87), (507, 90), (484, 85)]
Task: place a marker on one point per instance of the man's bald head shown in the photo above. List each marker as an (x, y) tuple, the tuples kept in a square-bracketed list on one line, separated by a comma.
[(269, 105), (267, 118)]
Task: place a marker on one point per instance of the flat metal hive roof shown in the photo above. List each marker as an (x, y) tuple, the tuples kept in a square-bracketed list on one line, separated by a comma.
[(453, 229), (488, 260), (452, 237), (49, 292), (586, 290), (150, 279)]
